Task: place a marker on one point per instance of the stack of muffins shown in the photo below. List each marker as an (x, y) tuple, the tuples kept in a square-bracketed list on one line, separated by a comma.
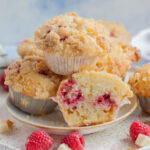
[(77, 63)]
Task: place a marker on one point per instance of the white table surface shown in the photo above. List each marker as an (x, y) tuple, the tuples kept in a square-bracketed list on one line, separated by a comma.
[(114, 138)]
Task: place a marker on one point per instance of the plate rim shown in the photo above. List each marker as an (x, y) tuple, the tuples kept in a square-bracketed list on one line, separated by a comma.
[(75, 128)]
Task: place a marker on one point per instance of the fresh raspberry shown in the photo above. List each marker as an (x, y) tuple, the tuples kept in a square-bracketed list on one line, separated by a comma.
[(5, 87), (39, 140), (75, 141), (138, 127)]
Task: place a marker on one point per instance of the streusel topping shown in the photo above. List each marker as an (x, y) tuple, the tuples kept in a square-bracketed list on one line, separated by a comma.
[(28, 47), (31, 77), (71, 35), (140, 81)]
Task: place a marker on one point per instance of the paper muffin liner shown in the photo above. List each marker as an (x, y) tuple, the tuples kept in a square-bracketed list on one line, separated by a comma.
[(31, 105), (65, 65), (144, 103)]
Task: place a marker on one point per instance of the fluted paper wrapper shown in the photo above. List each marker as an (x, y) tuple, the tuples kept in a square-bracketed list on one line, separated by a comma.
[(144, 103), (31, 105), (65, 65)]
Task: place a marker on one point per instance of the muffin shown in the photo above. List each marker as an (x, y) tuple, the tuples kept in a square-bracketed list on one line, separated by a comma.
[(32, 85), (91, 97), (28, 48), (71, 43), (140, 83), (119, 60), (117, 31)]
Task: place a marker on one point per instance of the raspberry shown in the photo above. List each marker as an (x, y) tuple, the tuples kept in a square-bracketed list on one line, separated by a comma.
[(48, 31), (39, 140), (71, 94), (75, 141), (43, 73), (64, 38), (5, 87), (138, 127), (106, 101)]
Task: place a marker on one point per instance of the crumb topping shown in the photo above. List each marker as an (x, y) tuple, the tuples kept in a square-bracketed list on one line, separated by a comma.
[(31, 77)]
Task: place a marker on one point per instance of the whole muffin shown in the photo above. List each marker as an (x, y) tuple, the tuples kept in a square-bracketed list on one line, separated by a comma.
[(31, 82), (28, 48), (71, 42), (140, 82)]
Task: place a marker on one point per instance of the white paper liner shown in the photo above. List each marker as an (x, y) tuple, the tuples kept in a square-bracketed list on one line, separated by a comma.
[(31, 105), (65, 66)]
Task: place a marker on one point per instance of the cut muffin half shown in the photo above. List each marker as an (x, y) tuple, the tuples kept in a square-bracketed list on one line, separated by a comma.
[(91, 97)]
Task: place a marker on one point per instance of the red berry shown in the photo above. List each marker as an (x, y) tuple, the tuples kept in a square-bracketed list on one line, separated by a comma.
[(3, 76), (138, 127), (39, 140), (75, 141), (69, 88), (64, 38)]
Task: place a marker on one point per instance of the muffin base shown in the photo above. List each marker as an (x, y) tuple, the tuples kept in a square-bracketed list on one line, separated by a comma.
[(68, 65), (31, 105), (144, 103)]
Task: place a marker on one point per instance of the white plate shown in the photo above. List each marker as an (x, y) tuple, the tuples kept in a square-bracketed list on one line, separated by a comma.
[(55, 124)]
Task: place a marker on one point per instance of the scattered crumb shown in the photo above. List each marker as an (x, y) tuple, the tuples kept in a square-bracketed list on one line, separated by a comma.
[(5, 125)]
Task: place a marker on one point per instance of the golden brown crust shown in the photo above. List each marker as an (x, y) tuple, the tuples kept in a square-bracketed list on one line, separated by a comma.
[(71, 35), (140, 81), (31, 77), (118, 61), (117, 31), (28, 48)]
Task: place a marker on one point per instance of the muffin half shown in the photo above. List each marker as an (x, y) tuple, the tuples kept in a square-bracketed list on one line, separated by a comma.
[(91, 97)]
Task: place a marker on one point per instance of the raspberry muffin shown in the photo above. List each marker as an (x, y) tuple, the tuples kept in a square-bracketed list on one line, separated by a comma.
[(140, 83), (91, 97), (71, 43), (117, 31), (32, 85), (28, 48), (119, 60)]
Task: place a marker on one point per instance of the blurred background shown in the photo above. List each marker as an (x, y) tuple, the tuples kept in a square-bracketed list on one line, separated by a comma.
[(20, 18)]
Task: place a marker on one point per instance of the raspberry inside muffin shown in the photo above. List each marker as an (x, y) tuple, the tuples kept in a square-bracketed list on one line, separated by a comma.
[(71, 94), (91, 97)]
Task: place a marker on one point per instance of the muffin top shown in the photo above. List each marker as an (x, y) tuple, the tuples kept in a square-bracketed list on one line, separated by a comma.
[(140, 81), (28, 48), (117, 31), (71, 35), (32, 78), (119, 59)]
